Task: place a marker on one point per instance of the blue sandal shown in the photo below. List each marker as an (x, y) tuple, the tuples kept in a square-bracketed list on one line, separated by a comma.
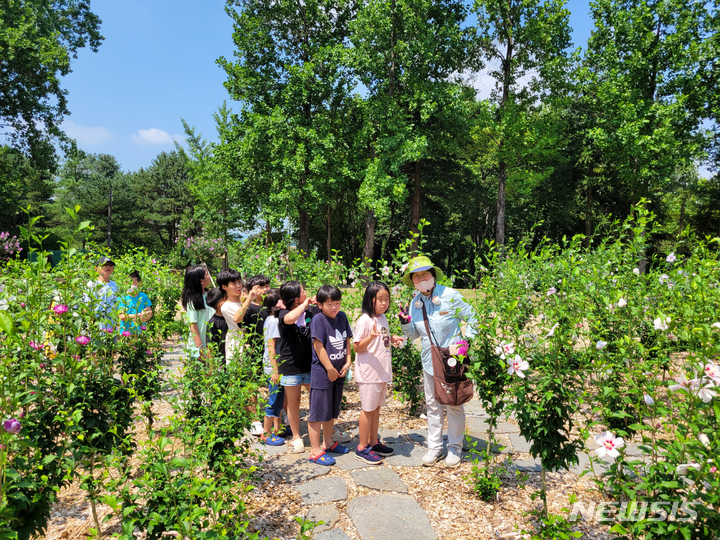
[(338, 448), (322, 459), (273, 440)]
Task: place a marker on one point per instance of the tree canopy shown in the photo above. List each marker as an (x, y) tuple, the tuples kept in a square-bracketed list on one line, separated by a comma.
[(38, 40), (349, 123)]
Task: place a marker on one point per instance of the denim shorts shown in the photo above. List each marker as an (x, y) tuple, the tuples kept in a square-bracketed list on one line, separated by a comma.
[(295, 380), (276, 396)]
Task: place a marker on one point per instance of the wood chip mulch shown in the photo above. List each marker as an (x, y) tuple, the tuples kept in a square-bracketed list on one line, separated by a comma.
[(445, 495)]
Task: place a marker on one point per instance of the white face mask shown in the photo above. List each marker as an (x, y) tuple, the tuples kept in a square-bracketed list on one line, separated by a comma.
[(425, 286)]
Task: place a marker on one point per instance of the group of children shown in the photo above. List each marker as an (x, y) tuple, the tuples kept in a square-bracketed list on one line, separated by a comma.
[(305, 342)]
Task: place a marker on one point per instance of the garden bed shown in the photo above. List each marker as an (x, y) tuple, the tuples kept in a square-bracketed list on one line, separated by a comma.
[(446, 496)]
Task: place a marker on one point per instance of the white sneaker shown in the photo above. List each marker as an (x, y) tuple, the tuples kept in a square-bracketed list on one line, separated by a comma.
[(341, 436), (297, 446), (453, 459), (431, 457), (256, 429)]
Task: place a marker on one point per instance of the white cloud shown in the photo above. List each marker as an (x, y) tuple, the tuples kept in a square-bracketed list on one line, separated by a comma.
[(155, 137), (484, 83), (86, 135)]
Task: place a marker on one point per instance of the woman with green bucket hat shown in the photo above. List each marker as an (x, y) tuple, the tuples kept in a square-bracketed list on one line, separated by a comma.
[(445, 309)]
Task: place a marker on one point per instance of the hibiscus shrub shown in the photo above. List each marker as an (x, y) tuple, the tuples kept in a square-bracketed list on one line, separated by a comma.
[(67, 380), (590, 345), (599, 360)]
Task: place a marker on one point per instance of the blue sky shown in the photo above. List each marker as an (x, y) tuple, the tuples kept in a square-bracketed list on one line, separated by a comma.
[(157, 65)]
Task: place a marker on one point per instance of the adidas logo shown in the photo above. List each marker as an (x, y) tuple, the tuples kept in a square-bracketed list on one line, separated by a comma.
[(338, 341)]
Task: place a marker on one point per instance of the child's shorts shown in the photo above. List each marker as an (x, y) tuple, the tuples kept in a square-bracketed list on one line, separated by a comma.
[(295, 380), (372, 395), (325, 403), (276, 396)]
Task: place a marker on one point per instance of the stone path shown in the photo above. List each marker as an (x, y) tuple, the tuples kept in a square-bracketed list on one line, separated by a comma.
[(381, 479), (390, 513), (390, 517)]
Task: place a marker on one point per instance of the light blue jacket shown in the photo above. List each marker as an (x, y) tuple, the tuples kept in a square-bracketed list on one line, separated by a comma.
[(444, 321)]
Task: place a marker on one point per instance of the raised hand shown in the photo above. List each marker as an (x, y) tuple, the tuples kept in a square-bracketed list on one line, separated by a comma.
[(255, 292), (403, 316)]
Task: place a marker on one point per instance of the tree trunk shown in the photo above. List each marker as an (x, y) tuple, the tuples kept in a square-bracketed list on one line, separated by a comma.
[(369, 238), (415, 209), (392, 49), (303, 232), (386, 240), (500, 223), (303, 218), (642, 262), (225, 221), (588, 216), (682, 218), (502, 166), (329, 234), (109, 235), (268, 233)]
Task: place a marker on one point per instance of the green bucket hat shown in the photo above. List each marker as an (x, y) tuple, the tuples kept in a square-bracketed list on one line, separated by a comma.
[(420, 264)]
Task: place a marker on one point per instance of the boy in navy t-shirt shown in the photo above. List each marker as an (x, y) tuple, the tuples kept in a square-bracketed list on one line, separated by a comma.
[(331, 334)]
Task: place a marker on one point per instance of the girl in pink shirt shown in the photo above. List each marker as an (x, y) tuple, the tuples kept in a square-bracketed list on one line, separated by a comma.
[(373, 370)]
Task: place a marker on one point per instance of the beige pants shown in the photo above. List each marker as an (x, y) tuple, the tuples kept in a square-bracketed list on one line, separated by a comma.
[(435, 415)]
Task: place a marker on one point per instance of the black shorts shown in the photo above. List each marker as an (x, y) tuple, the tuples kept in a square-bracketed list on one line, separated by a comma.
[(325, 403)]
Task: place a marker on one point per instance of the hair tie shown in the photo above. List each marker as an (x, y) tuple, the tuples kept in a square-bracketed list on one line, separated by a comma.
[(280, 304)]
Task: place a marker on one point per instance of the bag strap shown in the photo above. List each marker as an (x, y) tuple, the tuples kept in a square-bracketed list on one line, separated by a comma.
[(427, 325)]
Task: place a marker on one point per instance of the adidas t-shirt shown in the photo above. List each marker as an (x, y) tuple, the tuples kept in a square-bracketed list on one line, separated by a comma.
[(333, 333)]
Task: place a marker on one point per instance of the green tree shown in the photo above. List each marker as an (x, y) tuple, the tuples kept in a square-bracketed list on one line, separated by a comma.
[(409, 54), (705, 215), (38, 39), (219, 201), (21, 184), (640, 75), (162, 197), (105, 195), (708, 98), (294, 87), (520, 39)]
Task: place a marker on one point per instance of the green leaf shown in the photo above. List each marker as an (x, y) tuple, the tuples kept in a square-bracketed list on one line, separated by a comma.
[(6, 324)]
